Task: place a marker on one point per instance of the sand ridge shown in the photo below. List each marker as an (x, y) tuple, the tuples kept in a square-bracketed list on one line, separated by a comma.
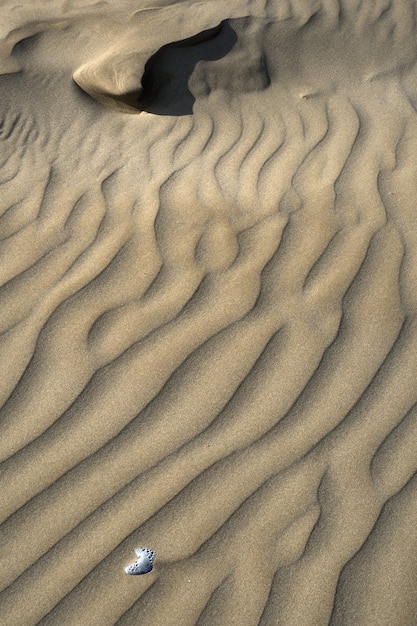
[(207, 312)]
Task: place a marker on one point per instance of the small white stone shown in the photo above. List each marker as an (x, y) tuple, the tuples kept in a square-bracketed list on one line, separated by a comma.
[(143, 564)]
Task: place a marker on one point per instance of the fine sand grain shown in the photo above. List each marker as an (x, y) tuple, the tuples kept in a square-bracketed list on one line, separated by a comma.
[(208, 330)]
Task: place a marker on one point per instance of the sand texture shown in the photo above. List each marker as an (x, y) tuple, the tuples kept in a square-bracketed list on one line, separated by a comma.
[(208, 330)]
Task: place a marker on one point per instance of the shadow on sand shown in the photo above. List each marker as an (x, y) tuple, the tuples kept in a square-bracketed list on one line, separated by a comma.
[(165, 82)]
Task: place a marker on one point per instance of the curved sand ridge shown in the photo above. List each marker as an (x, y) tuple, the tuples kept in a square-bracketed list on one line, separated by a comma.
[(209, 341)]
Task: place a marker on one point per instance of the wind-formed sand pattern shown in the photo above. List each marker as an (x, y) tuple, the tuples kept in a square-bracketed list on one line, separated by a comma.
[(208, 312)]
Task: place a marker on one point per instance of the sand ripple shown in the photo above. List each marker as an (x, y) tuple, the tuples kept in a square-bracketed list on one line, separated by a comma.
[(208, 321)]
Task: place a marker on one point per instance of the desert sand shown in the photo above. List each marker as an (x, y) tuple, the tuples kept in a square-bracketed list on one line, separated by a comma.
[(208, 261)]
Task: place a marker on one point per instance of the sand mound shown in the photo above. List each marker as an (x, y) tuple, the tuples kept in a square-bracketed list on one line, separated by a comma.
[(208, 341)]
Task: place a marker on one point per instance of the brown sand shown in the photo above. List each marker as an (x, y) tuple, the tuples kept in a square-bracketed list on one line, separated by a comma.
[(208, 341)]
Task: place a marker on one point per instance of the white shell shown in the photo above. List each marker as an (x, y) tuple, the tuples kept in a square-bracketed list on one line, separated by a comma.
[(143, 564)]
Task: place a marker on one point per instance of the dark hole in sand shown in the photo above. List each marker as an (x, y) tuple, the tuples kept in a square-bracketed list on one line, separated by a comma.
[(165, 81)]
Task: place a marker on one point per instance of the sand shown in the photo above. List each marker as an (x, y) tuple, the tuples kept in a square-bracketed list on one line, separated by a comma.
[(208, 300)]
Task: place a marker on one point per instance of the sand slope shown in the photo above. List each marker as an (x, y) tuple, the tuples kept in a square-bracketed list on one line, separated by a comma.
[(208, 312)]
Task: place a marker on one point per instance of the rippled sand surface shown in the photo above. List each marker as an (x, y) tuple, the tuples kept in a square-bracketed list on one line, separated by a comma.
[(208, 264)]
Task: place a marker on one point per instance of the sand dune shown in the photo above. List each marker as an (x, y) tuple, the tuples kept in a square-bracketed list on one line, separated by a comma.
[(208, 262)]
